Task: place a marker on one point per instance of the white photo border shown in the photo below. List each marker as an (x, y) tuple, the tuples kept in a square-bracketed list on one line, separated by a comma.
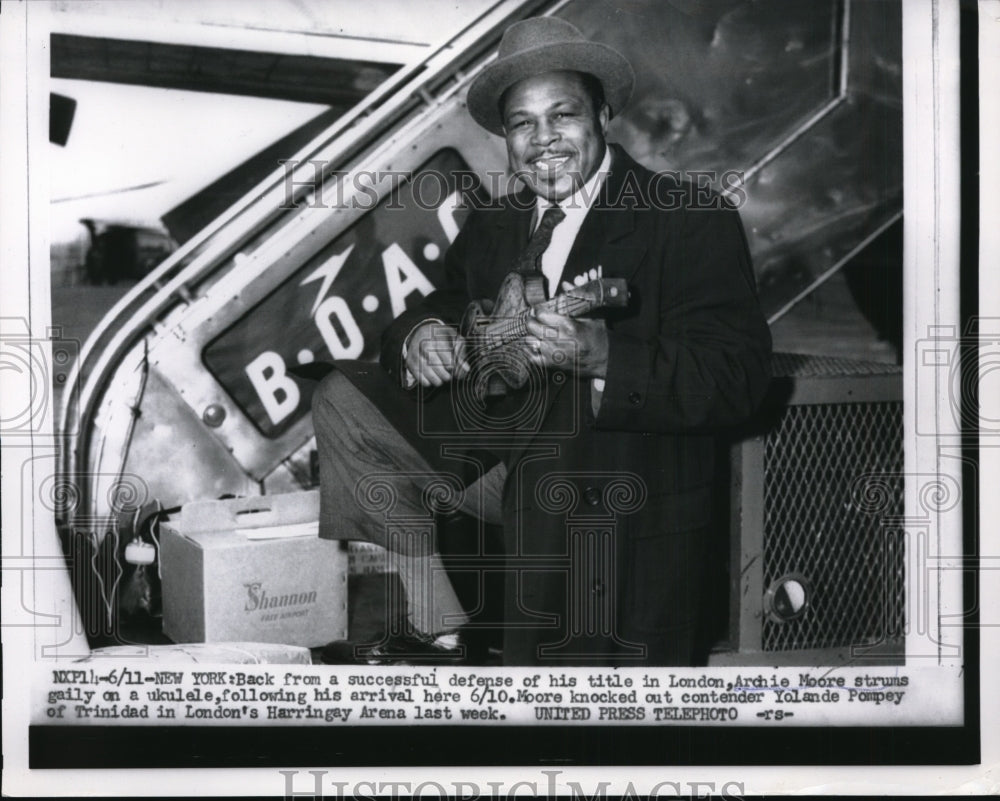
[(932, 253)]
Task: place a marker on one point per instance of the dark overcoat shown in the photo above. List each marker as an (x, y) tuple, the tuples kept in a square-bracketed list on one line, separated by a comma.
[(606, 515)]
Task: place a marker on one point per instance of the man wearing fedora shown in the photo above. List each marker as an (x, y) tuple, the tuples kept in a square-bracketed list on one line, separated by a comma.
[(602, 471)]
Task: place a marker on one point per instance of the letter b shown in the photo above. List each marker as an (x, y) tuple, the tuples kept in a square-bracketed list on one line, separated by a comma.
[(278, 393)]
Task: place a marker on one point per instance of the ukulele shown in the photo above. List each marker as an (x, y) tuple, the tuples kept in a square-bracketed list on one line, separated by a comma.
[(493, 330)]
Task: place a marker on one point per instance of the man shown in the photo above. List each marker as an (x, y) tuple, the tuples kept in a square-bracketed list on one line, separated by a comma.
[(607, 451)]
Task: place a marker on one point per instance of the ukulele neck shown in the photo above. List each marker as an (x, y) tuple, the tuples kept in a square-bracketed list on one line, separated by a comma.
[(505, 331)]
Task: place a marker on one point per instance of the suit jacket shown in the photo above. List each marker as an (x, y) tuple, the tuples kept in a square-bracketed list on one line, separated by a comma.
[(688, 356)]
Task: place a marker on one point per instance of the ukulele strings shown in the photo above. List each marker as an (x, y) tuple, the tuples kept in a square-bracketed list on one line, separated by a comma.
[(515, 328)]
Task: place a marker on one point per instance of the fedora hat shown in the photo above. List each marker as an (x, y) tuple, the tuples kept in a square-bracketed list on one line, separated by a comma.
[(545, 44)]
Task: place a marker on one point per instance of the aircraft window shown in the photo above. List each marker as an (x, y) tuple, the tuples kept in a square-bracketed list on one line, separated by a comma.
[(720, 83), (794, 110)]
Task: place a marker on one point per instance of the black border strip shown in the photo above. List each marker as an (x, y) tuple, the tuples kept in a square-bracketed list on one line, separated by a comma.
[(406, 746)]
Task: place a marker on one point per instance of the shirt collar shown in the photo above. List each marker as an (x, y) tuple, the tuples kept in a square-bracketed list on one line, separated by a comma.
[(584, 197)]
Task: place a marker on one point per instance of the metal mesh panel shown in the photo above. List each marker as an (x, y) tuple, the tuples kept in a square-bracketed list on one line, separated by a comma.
[(812, 528), (807, 365)]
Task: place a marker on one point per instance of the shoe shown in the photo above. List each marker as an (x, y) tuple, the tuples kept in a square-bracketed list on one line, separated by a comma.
[(401, 649), (415, 649)]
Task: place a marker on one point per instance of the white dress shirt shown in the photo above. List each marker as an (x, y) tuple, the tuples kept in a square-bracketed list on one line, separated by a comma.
[(564, 234)]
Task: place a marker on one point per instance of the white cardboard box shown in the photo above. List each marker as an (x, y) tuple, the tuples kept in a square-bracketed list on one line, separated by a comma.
[(222, 583)]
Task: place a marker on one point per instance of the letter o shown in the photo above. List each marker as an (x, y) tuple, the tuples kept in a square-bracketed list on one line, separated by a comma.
[(418, 790), (441, 183), (337, 307)]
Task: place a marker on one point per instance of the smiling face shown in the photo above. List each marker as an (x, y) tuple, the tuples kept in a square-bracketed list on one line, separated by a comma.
[(555, 135)]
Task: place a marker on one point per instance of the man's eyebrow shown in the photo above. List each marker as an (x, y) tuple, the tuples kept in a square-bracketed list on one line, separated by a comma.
[(569, 101)]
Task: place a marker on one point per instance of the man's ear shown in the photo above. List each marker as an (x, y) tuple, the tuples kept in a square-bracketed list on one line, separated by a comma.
[(604, 117)]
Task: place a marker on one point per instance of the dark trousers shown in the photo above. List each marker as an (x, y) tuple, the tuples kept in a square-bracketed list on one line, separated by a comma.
[(391, 461)]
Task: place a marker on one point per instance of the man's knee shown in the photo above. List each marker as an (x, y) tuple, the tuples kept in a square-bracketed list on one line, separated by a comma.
[(334, 404), (329, 389), (345, 414), (337, 402)]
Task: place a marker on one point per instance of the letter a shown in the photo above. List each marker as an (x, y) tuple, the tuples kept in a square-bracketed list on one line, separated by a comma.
[(402, 277)]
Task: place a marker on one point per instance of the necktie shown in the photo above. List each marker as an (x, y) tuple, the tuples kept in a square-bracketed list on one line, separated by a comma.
[(529, 261)]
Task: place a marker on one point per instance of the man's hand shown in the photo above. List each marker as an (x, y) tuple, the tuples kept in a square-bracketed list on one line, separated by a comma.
[(555, 340), (435, 354)]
